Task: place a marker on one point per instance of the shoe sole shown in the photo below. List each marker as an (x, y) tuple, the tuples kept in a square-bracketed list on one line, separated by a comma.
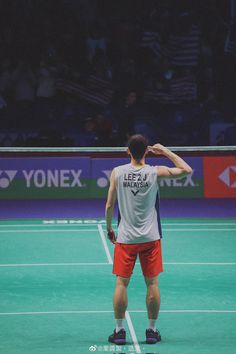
[(118, 341), (152, 340)]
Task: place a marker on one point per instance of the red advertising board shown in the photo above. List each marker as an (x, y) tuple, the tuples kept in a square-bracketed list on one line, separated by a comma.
[(220, 177)]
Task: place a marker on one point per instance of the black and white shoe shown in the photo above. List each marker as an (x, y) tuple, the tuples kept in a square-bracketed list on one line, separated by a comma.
[(118, 338), (152, 337)]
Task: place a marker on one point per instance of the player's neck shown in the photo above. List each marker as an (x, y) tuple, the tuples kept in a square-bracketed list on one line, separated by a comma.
[(138, 163)]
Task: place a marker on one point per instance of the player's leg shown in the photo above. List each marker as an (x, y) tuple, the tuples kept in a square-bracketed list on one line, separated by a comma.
[(151, 263), (120, 300), (153, 299), (124, 261)]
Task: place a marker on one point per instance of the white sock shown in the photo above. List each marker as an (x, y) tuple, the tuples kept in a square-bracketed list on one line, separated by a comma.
[(152, 324), (120, 324)]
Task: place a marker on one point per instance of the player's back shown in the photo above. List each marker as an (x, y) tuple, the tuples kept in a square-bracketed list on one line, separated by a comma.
[(137, 193)]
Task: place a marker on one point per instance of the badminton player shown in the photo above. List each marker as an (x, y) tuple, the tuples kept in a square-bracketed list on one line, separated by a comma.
[(135, 185)]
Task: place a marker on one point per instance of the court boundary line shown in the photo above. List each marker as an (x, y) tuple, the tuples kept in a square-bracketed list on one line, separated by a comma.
[(114, 224), (101, 233), (94, 230), (127, 315), (56, 230), (74, 312), (75, 264)]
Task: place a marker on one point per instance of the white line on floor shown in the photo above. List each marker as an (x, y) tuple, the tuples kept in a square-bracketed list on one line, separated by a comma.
[(103, 238), (108, 311), (108, 264), (127, 316), (92, 223), (56, 230), (79, 231)]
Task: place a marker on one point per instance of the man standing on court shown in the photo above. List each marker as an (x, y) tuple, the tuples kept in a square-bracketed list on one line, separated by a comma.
[(135, 185)]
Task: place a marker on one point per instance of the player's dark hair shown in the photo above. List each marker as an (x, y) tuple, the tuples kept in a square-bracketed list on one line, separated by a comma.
[(137, 145)]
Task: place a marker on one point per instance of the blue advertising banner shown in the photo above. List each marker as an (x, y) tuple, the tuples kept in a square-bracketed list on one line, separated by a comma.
[(85, 177), (44, 178), (187, 187)]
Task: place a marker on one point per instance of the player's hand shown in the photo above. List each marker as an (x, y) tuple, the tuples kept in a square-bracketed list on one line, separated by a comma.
[(111, 236), (158, 149)]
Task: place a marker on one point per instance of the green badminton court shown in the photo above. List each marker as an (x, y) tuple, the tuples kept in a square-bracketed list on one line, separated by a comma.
[(56, 289)]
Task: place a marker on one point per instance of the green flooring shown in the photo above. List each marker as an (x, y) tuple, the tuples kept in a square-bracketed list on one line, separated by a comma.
[(56, 289)]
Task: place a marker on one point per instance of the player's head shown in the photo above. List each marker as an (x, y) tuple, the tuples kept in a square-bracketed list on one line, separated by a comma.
[(137, 146)]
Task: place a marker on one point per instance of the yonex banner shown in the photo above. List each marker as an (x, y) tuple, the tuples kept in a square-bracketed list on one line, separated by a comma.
[(101, 171), (187, 187), (220, 177), (44, 178), (71, 178)]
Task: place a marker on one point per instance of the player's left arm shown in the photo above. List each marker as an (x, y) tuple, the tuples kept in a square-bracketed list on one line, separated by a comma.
[(110, 204)]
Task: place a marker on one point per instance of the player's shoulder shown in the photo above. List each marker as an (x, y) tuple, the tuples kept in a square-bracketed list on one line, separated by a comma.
[(151, 168), (122, 167)]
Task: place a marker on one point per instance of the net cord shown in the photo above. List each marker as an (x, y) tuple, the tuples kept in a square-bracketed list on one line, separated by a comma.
[(111, 149)]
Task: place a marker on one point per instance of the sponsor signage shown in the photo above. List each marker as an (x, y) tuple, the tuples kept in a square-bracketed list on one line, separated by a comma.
[(101, 171), (42, 178), (187, 187), (85, 177), (220, 177)]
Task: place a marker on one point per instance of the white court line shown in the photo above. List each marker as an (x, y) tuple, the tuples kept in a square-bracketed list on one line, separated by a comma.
[(52, 264), (114, 224), (200, 223), (127, 315), (108, 264), (56, 230), (189, 311), (106, 311), (88, 230), (101, 233), (51, 225), (200, 229), (202, 263)]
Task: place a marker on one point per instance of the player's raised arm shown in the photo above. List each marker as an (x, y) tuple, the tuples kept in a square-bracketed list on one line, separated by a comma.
[(181, 168)]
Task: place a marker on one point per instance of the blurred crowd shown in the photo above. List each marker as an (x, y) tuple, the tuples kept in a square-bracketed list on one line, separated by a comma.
[(93, 72)]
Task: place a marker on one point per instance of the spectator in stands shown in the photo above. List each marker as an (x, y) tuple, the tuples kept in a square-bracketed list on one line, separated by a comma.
[(24, 81), (46, 81), (87, 136), (101, 66), (24, 86), (96, 40), (45, 90), (230, 135), (3, 103), (125, 117), (5, 78), (103, 130)]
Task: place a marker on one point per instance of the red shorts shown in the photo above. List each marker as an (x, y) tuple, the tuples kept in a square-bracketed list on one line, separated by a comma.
[(150, 257)]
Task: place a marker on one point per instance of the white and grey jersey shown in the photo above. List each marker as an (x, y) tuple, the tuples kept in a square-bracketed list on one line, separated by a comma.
[(138, 197)]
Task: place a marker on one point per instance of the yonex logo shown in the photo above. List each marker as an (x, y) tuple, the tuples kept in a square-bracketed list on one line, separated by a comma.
[(102, 182), (43, 178), (228, 176), (53, 178), (6, 177)]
